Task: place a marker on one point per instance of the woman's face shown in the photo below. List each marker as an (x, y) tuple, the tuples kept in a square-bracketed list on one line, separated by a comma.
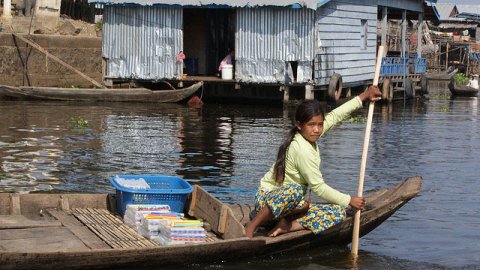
[(312, 129)]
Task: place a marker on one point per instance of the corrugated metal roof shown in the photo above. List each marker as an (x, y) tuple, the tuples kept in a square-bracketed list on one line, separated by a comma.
[(444, 11), (471, 12), (459, 25), (312, 4)]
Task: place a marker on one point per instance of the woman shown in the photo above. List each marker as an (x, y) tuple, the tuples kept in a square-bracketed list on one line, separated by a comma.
[(281, 194)]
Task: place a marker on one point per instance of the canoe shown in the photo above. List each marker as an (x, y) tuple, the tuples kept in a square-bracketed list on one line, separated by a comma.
[(97, 94), (80, 231), (462, 90), (442, 76)]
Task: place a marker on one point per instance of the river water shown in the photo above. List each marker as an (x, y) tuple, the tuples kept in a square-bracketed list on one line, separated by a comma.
[(48, 146)]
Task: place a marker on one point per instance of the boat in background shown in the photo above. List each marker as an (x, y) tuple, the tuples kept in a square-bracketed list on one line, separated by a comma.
[(462, 90), (82, 231), (98, 94)]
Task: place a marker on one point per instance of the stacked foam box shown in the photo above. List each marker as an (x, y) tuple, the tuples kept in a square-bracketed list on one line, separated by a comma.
[(135, 212), (138, 183), (167, 229)]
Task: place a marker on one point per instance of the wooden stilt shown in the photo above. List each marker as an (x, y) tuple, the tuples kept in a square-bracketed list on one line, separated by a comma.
[(468, 62), (309, 95), (286, 93), (446, 55)]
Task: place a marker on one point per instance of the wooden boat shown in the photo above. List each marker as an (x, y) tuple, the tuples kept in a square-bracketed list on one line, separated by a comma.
[(462, 90), (79, 231), (442, 76), (98, 94)]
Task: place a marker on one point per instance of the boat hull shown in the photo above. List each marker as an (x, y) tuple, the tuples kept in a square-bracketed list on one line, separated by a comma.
[(380, 205), (461, 90), (98, 95)]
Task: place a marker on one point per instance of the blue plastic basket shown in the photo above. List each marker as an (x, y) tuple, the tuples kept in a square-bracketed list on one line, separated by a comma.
[(171, 190)]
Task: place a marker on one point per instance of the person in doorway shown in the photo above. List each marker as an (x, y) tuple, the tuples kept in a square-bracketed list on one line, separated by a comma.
[(281, 194), (227, 60), (473, 82), (180, 62)]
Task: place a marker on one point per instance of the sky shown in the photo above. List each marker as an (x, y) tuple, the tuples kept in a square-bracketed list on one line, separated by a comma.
[(477, 2)]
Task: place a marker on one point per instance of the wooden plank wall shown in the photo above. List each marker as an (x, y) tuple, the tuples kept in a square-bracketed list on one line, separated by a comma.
[(339, 47)]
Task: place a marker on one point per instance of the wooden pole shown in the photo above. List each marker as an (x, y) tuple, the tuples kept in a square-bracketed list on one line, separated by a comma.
[(468, 61), (7, 9), (371, 107), (38, 47), (384, 26), (419, 35), (446, 55)]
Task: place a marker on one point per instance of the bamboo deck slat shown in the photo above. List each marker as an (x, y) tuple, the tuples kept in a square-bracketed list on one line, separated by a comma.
[(111, 229)]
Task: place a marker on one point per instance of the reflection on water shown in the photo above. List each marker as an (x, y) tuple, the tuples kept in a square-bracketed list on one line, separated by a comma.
[(227, 149)]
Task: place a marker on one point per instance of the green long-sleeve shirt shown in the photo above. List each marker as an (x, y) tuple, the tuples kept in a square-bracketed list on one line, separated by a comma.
[(302, 165)]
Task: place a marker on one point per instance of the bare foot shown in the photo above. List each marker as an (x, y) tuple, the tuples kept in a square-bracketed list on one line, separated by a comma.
[(264, 215), (283, 226)]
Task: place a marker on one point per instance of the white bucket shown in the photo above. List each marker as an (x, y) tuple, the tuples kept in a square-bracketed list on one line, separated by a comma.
[(227, 72)]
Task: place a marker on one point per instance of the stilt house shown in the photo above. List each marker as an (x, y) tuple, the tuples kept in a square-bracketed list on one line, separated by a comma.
[(275, 42)]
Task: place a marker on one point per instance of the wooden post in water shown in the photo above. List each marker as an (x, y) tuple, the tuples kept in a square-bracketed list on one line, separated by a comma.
[(446, 54), (468, 61), (286, 93), (438, 57), (363, 164)]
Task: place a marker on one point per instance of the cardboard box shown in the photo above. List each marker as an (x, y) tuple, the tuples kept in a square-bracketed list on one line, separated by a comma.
[(475, 47)]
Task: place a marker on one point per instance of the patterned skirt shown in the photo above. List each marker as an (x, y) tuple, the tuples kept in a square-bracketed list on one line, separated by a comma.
[(283, 200)]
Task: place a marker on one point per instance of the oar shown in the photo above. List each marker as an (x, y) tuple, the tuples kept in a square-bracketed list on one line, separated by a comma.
[(371, 106)]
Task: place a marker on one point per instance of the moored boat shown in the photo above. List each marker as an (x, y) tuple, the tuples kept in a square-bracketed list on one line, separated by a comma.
[(462, 90), (99, 94), (79, 231)]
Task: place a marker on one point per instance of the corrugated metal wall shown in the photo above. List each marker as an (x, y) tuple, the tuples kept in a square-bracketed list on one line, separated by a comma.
[(142, 42), (340, 45), (267, 38)]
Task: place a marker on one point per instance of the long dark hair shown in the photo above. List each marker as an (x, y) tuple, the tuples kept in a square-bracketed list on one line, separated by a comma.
[(304, 113)]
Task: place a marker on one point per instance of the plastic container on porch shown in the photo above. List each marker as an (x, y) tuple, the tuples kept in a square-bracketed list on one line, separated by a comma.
[(227, 72)]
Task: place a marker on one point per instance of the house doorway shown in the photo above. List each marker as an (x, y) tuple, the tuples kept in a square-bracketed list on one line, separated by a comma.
[(208, 35)]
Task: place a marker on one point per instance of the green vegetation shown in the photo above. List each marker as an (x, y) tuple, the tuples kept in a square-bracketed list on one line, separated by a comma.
[(357, 119), (79, 122), (444, 108), (98, 26), (440, 96), (461, 79)]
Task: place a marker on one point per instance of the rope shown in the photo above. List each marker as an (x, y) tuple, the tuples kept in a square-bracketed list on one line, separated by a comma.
[(167, 83), (201, 93)]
